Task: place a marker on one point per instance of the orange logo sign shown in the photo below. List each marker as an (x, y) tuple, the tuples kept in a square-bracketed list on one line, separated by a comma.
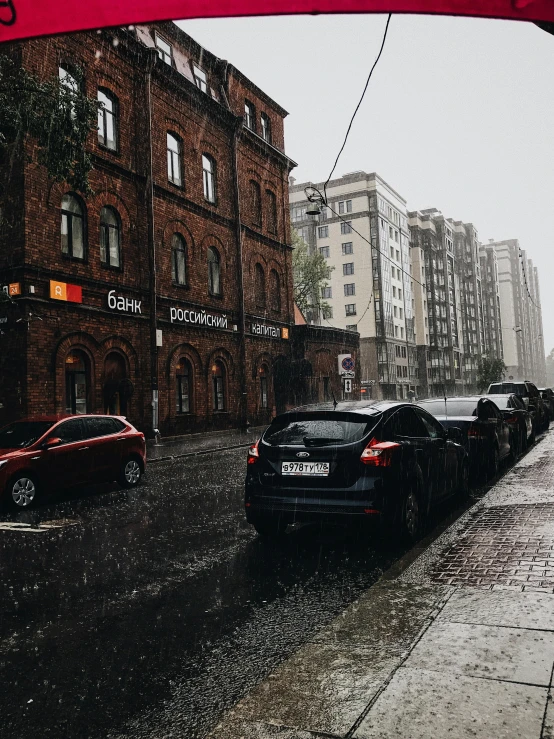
[(14, 288)]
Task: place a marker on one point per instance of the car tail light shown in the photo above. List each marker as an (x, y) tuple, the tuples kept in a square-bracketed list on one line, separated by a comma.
[(476, 431), (253, 454), (379, 453), (511, 418)]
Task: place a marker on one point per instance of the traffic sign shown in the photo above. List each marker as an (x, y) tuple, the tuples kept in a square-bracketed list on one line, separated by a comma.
[(347, 386)]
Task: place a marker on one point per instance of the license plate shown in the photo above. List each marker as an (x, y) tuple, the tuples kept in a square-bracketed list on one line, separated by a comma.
[(308, 469)]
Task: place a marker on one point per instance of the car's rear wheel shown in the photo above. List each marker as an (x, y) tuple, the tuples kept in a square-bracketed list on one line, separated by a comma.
[(269, 527), (21, 492), (131, 472), (412, 511)]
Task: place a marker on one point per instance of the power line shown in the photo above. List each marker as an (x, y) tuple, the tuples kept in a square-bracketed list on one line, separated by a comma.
[(358, 106)]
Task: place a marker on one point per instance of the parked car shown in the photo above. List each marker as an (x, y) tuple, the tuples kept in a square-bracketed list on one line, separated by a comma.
[(40, 455), (486, 435), (547, 394), (518, 418), (529, 394), (385, 461)]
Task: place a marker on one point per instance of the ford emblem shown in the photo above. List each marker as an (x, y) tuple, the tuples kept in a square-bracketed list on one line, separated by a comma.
[(303, 454)]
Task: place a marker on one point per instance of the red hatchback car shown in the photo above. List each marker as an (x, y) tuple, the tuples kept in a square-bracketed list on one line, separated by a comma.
[(38, 455)]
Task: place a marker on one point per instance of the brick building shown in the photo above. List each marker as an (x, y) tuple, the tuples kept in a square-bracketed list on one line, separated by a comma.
[(166, 295)]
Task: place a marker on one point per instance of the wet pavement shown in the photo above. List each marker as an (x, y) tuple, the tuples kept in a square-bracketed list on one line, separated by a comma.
[(149, 612), (460, 643)]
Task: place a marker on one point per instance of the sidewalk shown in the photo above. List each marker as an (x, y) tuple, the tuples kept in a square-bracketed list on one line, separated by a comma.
[(186, 446), (460, 645)]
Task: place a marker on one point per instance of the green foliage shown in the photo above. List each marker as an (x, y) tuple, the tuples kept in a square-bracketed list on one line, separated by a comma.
[(490, 370), (57, 116), (310, 274)]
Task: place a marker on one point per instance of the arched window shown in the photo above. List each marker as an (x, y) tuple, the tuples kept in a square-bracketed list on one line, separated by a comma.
[(183, 379), (69, 81), (264, 395), (115, 385), (73, 227), (214, 271), (107, 119), (178, 260), (208, 177), (275, 291), (265, 122), (218, 386), (271, 212), (110, 237), (174, 157), (77, 381), (259, 286), (256, 203)]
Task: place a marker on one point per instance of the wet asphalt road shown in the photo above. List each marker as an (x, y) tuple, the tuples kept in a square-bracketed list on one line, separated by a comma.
[(148, 613)]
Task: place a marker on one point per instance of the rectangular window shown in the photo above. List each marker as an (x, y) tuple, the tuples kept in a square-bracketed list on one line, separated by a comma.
[(164, 50), (351, 326), (399, 294), (390, 232), (393, 271), (346, 227), (401, 332), (323, 232), (266, 127), (393, 291), (347, 248), (396, 331), (404, 371), (350, 288), (345, 206), (404, 352), (391, 253), (397, 255), (395, 311), (174, 160), (327, 312), (396, 236), (348, 268), (324, 251), (400, 313), (350, 309), (249, 115), (326, 292), (200, 79)]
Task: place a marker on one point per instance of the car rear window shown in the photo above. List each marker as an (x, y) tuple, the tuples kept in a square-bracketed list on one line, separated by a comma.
[(518, 388), (451, 407), (22, 434), (317, 432), (102, 426)]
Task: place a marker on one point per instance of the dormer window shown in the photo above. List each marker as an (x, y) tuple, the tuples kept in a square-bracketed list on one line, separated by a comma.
[(164, 50), (200, 78)]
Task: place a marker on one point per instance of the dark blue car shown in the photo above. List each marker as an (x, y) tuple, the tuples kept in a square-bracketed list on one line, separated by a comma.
[(384, 461)]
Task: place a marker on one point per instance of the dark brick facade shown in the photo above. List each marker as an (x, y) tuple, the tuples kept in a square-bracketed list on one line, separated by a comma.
[(226, 354)]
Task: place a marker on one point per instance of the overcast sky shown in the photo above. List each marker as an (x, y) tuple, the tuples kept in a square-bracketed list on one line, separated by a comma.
[(459, 114)]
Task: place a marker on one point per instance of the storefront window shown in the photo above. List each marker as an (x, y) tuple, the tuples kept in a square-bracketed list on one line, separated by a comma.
[(183, 380), (218, 381), (264, 399), (76, 382)]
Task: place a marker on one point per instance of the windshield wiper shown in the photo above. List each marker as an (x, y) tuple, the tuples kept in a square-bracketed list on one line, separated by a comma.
[(319, 440)]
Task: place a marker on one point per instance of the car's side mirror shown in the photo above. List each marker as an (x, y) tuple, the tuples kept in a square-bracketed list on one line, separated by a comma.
[(52, 441), (454, 434)]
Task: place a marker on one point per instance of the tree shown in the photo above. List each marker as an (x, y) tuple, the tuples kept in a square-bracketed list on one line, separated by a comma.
[(310, 273), (490, 370), (56, 114)]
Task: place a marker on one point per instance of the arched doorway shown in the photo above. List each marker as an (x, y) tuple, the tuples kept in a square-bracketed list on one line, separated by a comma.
[(117, 388), (281, 383), (77, 382)]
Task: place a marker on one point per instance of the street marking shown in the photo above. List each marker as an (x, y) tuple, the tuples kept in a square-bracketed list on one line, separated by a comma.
[(39, 528)]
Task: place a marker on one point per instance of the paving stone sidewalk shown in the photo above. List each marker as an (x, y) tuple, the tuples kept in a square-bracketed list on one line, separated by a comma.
[(460, 645)]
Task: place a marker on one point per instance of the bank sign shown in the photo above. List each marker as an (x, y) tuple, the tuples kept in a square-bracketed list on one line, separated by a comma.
[(262, 329), (193, 317)]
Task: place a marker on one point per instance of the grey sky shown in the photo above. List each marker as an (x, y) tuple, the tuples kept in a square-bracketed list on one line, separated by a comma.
[(459, 114)]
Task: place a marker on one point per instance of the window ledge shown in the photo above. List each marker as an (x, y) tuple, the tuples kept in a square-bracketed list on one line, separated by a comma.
[(114, 152)]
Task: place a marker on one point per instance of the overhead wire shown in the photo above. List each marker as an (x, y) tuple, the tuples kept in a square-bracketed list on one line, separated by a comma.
[(358, 105)]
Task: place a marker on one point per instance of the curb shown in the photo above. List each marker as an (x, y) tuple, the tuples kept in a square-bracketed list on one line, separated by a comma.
[(196, 454)]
